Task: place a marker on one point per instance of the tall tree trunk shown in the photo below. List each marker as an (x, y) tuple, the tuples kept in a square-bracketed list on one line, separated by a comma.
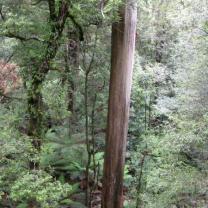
[(123, 46), (71, 72), (35, 111), (73, 52), (39, 73), (87, 141)]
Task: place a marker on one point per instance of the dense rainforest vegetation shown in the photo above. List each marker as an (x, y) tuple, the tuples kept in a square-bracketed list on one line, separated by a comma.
[(70, 134)]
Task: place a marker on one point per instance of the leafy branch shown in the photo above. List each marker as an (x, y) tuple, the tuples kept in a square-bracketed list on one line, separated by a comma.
[(21, 38)]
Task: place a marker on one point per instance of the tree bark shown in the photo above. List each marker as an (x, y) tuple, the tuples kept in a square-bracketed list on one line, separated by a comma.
[(35, 111), (39, 72), (74, 45), (71, 72), (123, 46)]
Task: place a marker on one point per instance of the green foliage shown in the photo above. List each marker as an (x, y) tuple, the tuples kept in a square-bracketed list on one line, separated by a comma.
[(174, 141), (55, 98), (167, 147), (64, 153), (39, 186)]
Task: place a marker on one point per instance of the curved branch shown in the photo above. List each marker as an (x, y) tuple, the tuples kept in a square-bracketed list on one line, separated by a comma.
[(19, 37), (78, 26)]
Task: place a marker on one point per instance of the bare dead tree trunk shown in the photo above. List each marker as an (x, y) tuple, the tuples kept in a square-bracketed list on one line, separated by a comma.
[(123, 46)]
